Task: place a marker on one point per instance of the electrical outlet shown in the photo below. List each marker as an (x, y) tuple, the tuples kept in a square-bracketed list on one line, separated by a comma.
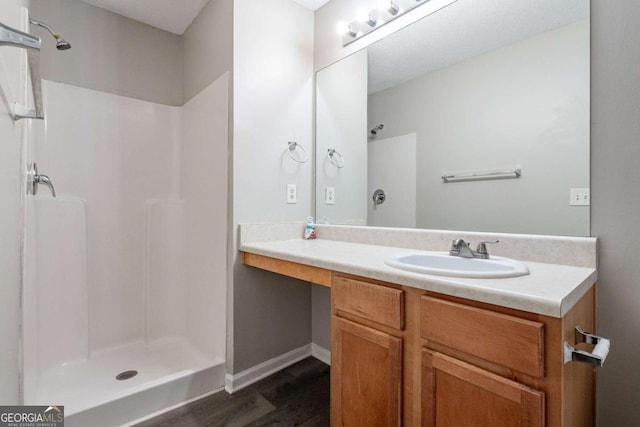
[(292, 194), (579, 197), (330, 196)]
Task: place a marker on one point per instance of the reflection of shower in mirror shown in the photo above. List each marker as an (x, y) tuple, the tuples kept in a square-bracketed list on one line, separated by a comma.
[(375, 130)]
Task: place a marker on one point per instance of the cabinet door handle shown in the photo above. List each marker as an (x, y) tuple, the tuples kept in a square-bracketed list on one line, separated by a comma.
[(596, 357)]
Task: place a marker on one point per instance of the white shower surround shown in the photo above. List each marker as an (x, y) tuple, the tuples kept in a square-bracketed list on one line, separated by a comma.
[(126, 269)]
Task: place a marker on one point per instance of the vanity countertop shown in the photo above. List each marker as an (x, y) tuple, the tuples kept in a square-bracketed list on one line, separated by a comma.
[(549, 289)]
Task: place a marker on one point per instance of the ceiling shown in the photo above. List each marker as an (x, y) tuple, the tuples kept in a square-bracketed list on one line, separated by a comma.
[(462, 30), (169, 15), (174, 16), (312, 4)]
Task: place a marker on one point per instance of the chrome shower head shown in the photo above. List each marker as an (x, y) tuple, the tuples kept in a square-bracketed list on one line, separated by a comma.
[(375, 130), (61, 44)]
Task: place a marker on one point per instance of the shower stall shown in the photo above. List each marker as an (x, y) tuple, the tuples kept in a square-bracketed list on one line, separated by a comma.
[(124, 281)]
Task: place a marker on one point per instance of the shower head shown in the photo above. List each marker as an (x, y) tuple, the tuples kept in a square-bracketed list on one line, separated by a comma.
[(375, 130), (61, 44)]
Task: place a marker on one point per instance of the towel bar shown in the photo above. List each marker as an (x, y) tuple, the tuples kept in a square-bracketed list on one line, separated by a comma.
[(16, 38), (596, 357)]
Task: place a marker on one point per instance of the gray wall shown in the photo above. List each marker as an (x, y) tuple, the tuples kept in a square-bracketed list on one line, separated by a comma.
[(109, 52), (525, 105), (273, 95), (615, 178), (320, 316), (207, 47)]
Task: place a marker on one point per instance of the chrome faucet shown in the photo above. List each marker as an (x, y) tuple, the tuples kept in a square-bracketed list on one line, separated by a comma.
[(461, 248)]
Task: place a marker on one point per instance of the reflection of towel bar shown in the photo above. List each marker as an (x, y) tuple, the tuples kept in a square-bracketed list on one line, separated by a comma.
[(293, 145), (481, 176), (335, 158)]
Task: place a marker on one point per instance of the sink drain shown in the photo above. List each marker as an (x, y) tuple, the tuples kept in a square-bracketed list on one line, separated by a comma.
[(126, 375)]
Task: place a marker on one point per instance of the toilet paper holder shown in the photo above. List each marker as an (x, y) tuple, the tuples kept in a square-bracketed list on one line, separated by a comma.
[(598, 354)]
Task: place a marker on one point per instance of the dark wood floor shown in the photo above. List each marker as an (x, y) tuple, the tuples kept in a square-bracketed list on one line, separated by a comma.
[(295, 396)]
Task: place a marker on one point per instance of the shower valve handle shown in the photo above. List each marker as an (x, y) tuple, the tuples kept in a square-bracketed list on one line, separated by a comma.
[(33, 179)]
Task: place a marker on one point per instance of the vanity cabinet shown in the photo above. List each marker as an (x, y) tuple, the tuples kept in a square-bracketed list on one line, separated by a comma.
[(366, 376), (404, 356), (455, 393), (366, 354)]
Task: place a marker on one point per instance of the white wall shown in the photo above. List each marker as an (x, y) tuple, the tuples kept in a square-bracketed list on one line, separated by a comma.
[(392, 168), (151, 181), (204, 170), (116, 153), (499, 111), (273, 93), (341, 120), (55, 326), (12, 81)]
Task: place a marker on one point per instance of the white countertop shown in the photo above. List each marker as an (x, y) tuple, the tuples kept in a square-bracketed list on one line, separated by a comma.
[(549, 289)]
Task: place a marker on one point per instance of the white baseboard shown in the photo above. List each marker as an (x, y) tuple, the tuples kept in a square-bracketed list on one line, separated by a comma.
[(249, 376), (322, 354)]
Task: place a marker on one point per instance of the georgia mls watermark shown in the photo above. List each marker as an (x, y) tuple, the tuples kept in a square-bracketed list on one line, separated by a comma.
[(32, 416)]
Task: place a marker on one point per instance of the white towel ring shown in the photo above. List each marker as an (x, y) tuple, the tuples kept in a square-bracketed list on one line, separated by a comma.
[(335, 158), (293, 145)]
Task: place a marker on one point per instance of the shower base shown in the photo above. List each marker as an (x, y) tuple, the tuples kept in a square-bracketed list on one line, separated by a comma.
[(170, 371)]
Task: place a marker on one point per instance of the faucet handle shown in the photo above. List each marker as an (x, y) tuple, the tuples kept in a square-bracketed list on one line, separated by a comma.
[(482, 248), (457, 245), (453, 240)]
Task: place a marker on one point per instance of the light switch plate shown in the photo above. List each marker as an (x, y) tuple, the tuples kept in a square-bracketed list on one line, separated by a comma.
[(292, 194), (330, 196), (579, 197)]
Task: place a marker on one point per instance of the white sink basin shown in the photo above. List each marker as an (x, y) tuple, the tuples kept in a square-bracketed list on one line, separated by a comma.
[(443, 264)]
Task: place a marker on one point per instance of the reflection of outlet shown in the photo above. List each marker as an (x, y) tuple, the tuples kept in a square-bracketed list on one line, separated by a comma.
[(579, 197), (330, 196), (292, 194)]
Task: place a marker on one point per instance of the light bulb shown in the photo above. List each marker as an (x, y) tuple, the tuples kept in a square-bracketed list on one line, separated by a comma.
[(389, 6), (365, 17), (343, 29)]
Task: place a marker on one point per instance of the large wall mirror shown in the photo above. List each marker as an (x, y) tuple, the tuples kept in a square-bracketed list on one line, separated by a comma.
[(492, 93)]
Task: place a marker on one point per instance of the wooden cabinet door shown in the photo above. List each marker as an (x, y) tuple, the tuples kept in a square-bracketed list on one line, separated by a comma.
[(455, 393), (366, 376)]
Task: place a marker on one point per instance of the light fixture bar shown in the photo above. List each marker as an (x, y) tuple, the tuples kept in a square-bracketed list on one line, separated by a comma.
[(388, 11)]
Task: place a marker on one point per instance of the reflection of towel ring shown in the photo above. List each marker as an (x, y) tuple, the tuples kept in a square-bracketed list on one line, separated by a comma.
[(335, 158), (292, 147)]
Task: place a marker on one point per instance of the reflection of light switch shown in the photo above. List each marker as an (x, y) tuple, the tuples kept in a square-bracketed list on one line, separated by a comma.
[(292, 193), (330, 196), (579, 197)]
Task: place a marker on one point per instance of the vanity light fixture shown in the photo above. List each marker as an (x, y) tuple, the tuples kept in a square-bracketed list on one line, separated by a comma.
[(387, 11)]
